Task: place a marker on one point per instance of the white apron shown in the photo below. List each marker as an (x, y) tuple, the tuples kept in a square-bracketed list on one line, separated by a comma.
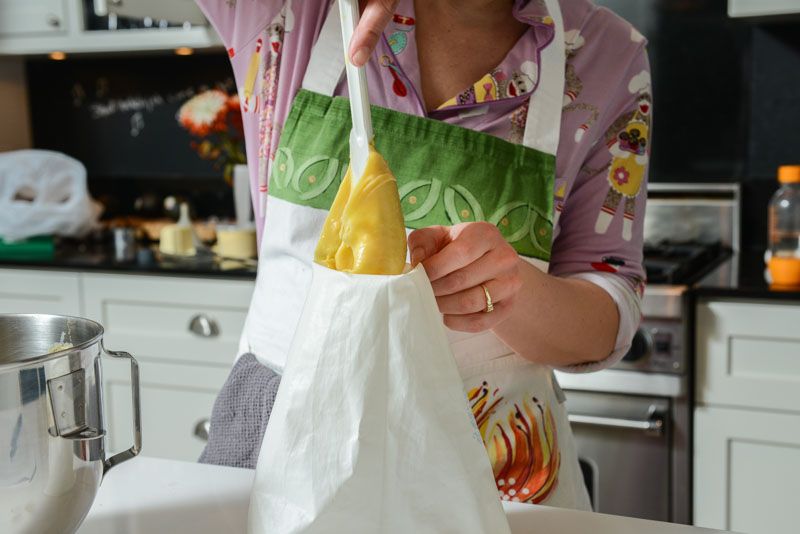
[(517, 404)]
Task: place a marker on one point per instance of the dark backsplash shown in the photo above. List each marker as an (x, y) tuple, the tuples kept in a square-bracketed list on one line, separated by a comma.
[(774, 133), (773, 122)]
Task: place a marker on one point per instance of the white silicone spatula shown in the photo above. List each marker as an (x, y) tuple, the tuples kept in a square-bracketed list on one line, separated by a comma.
[(361, 134)]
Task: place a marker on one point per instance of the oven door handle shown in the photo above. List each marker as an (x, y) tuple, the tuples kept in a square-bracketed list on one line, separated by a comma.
[(653, 425)]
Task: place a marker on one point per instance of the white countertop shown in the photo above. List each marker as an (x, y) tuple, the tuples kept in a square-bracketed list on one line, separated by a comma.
[(155, 496)]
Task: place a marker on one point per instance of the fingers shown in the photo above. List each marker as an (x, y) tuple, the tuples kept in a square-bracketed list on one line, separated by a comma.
[(473, 300), (481, 321), (469, 242), (374, 18), (426, 242), (501, 262)]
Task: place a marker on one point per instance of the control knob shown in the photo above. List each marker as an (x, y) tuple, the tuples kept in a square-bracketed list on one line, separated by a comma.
[(641, 346)]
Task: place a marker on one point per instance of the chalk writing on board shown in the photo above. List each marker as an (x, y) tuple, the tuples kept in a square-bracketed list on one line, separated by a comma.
[(139, 103), (112, 106), (137, 123)]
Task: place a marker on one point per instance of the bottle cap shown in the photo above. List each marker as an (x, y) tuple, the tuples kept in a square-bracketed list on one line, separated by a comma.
[(789, 174)]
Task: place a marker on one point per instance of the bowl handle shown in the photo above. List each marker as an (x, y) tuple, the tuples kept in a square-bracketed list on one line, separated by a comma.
[(137, 416)]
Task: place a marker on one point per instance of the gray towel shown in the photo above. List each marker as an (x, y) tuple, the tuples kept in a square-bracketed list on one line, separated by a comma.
[(240, 414)]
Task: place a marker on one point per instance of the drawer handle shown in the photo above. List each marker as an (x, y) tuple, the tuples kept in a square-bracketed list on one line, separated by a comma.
[(652, 426), (202, 428), (203, 326)]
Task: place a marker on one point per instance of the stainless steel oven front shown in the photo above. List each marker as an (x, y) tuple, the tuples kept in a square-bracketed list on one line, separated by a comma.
[(632, 427), (623, 445)]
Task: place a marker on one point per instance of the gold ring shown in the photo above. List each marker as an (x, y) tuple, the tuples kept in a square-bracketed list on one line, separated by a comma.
[(489, 305)]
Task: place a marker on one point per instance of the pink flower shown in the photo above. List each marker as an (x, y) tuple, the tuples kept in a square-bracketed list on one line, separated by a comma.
[(621, 175)]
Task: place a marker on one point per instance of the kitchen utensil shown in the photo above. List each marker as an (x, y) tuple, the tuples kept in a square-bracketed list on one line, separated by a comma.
[(361, 135), (381, 463), (124, 244), (52, 429), (242, 201)]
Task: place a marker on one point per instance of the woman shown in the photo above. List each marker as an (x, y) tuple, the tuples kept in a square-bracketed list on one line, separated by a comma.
[(518, 131)]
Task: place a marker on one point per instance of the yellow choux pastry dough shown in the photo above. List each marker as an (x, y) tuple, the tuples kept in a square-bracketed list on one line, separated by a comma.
[(365, 230)]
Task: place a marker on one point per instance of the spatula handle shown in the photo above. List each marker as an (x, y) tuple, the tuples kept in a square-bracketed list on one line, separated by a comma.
[(356, 76)]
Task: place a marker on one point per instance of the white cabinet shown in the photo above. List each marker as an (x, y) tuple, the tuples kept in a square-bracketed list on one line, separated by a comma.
[(185, 334), (748, 354), (747, 419), (747, 470), (761, 8), (182, 320), (175, 398), (26, 17), (30, 27), (31, 291)]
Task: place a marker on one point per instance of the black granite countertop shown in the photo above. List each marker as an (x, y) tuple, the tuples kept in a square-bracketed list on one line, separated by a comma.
[(97, 257), (742, 276)]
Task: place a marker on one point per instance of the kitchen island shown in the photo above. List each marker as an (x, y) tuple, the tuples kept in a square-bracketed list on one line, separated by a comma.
[(155, 496)]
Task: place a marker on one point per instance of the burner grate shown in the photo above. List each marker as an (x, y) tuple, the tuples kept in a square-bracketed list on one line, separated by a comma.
[(673, 262)]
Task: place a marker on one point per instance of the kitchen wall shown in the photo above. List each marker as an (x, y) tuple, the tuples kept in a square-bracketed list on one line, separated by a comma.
[(774, 133), (773, 121), (14, 121)]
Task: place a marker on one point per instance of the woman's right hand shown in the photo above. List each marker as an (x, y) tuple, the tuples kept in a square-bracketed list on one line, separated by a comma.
[(375, 15)]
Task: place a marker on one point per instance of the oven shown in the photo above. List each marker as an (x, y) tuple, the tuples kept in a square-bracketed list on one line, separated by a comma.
[(633, 422), (632, 427), (623, 445)]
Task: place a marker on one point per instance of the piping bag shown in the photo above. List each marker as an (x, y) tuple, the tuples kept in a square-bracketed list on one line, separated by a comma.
[(364, 232)]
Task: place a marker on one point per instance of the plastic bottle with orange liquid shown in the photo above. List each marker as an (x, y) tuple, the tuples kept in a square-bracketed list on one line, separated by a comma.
[(783, 256)]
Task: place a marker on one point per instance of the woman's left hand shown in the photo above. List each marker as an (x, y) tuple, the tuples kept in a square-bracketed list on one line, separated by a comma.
[(458, 260)]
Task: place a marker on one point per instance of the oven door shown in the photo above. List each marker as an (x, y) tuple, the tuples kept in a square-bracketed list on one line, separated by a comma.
[(623, 444)]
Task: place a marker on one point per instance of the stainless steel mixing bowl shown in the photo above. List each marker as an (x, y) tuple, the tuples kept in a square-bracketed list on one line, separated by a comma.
[(52, 431)]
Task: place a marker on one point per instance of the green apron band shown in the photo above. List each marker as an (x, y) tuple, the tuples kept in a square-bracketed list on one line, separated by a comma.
[(446, 174)]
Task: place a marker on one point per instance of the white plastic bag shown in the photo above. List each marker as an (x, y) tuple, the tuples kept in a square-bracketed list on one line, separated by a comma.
[(371, 430), (43, 193)]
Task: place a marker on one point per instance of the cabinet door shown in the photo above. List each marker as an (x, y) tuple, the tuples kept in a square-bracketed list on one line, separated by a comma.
[(746, 470), (174, 399), (184, 320), (184, 332), (31, 291), (21, 17), (748, 355), (761, 8)]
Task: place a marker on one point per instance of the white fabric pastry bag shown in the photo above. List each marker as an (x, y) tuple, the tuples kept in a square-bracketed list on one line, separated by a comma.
[(371, 430)]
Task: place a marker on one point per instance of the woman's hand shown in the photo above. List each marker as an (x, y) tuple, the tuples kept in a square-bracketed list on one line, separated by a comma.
[(375, 15), (458, 259)]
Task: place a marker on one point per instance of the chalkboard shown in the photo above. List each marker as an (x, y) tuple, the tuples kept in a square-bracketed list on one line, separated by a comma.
[(117, 114)]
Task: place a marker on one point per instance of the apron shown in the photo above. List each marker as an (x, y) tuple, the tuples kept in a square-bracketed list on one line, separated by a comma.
[(442, 171)]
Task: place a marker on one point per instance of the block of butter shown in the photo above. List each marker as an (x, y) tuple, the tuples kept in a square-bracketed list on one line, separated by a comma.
[(365, 230)]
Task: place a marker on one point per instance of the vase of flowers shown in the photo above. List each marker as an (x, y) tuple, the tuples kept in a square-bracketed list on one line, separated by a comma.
[(214, 118)]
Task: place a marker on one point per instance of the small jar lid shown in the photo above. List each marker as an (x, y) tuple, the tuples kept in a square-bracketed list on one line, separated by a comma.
[(789, 174)]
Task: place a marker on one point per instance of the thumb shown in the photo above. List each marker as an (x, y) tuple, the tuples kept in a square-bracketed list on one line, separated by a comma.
[(375, 15), (426, 242)]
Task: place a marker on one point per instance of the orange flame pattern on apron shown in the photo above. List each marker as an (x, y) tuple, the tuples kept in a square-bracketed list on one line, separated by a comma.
[(523, 447)]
